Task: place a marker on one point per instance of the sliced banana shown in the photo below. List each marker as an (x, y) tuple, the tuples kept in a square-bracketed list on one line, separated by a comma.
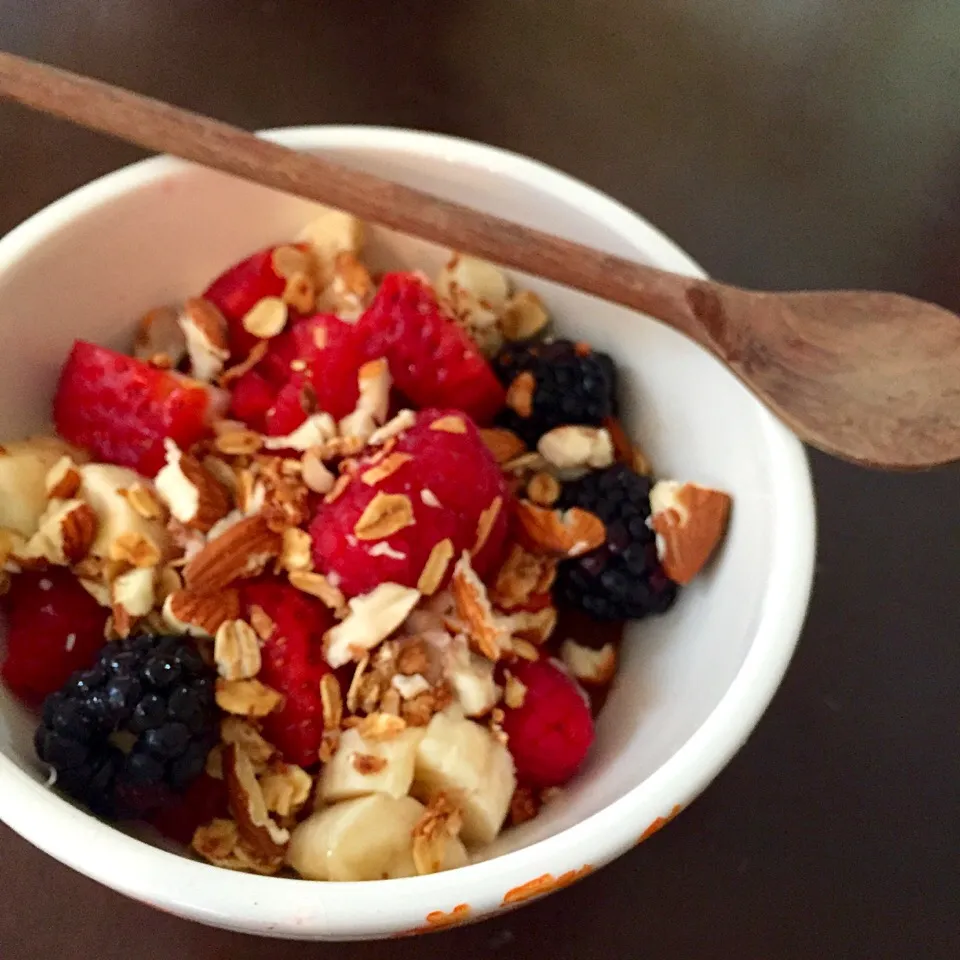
[(461, 757), (100, 486), (344, 778), (23, 469), (369, 838), (473, 284), (332, 232)]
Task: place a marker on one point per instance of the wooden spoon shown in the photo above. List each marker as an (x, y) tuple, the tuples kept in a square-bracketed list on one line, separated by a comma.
[(871, 377)]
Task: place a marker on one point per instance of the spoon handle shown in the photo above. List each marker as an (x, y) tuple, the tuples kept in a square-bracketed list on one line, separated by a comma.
[(160, 127)]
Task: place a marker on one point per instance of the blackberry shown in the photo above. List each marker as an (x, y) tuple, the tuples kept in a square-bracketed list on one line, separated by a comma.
[(132, 731), (573, 385), (623, 579)]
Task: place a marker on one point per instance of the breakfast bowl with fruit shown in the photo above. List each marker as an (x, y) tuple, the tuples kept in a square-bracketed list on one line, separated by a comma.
[(352, 587)]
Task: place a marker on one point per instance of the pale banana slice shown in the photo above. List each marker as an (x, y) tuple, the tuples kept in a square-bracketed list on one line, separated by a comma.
[(460, 757), (369, 838), (23, 469), (332, 232), (343, 777), (100, 486)]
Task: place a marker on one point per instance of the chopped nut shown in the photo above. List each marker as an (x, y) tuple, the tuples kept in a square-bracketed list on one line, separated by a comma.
[(485, 524), (562, 534), (412, 657), (690, 522), (522, 575), (435, 568), (63, 479), (67, 531), (205, 330), (381, 726), (135, 549), (373, 617), (474, 611), (288, 261), (297, 551), (351, 286), (543, 489), (241, 551), (266, 318), (286, 788), (247, 738), (191, 492), (200, 614), (514, 692), (317, 585), (384, 515), (248, 805), (533, 625), (238, 443), (236, 650), (440, 823), (523, 317), (385, 468), (503, 444), (246, 698), (568, 448), (520, 394), (587, 665), (449, 424)]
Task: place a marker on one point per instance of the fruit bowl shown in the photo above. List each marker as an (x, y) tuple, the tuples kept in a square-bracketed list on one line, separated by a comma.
[(691, 684)]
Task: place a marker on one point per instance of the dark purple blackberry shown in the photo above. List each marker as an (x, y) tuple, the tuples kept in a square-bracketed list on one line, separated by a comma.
[(574, 385), (133, 730), (623, 579)]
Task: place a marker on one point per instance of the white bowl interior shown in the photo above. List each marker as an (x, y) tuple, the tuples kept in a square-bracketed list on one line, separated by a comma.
[(114, 255)]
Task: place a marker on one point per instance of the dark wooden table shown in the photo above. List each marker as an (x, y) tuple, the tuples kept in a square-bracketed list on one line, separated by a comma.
[(784, 145)]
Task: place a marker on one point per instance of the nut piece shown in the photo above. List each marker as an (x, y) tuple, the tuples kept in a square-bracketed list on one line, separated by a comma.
[(522, 575), (503, 444), (373, 617), (438, 825), (63, 479), (587, 665), (200, 614), (474, 611), (67, 531), (286, 788), (248, 739), (524, 316), (385, 515), (246, 698), (568, 448), (160, 341), (248, 806), (236, 650), (133, 597), (193, 495), (561, 534), (243, 550), (520, 394), (266, 318), (690, 522), (435, 569), (205, 330), (543, 489)]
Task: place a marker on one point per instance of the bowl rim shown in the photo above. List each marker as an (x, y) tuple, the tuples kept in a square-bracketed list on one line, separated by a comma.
[(304, 909)]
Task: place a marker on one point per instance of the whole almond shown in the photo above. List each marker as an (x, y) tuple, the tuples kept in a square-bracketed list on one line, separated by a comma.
[(505, 445), (241, 551), (201, 613)]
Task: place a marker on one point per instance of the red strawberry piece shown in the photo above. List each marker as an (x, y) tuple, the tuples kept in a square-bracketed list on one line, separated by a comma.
[(550, 734), (236, 291), (432, 360), (289, 408), (293, 664), (121, 409), (54, 628), (250, 399), (204, 800), (332, 351)]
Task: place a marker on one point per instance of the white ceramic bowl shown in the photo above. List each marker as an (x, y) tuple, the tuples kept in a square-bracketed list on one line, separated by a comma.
[(692, 684)]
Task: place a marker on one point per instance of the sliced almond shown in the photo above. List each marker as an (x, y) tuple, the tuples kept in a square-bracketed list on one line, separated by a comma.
[(243, 550), (374, 382), (505, 445), (520, 394), (449, 424), (200, 614), (248, 806), (435, 569), (339, 487), (690, 522), (523, 317), (372, 618), (568, 533), (475, 612), (192, 494), (236, 650), (63, 479), (384, 515), (247, 698), (485, 524), (266, 318), (317, 585), (385, 468), (587, 665)]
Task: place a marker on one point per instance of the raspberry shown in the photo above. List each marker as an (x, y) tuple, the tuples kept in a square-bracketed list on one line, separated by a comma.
[(444, 504), (550, 734), (250, 399), (432, 361), (54, 627), (134, 730), (289, 408), (121, 409), (572, 385), (623, 579), (237, 290), (293, 664)]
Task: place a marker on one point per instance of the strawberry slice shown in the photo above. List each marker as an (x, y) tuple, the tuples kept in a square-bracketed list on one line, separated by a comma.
[(333, 354), (293, 664), (251, 398), (121, 409), (54, 627), (433, 361)]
